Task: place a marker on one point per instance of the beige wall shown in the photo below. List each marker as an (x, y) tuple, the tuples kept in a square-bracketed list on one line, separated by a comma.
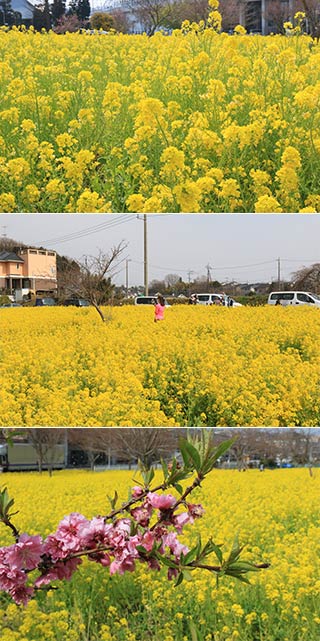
[(39, 265), (11, 269)]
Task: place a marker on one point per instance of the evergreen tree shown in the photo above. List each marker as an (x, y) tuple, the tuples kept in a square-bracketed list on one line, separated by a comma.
[(83, 11), (81, 8), (42, 18), (58, 9), (7, 15)]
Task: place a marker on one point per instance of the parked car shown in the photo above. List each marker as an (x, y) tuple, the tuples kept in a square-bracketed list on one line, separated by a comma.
[(148, 300), (293, 298), (76, 302), (11, 305), (46, 301), (217, 299)]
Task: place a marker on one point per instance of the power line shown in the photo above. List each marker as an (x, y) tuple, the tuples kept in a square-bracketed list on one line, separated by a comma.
[(178, 269), (87, 231), (117, 219)]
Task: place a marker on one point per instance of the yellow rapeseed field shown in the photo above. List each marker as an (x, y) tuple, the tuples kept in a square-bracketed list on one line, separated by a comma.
[(200, 366), (191, 122), (276, 514)]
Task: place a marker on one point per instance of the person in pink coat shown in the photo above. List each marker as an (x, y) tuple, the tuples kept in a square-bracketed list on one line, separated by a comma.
[(159, 309)]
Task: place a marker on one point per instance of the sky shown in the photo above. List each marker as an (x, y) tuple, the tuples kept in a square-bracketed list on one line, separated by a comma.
[(240, 247)]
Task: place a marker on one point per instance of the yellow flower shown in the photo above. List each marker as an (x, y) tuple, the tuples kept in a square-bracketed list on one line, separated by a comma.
[(267, 204), (188, 196), (55, 188), (7, 202), (32, 193), (135, 202), (19, 169), (90, 202)]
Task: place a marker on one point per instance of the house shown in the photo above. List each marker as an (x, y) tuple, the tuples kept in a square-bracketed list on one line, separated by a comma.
[(20, 12), (28, 270), (124, 7)]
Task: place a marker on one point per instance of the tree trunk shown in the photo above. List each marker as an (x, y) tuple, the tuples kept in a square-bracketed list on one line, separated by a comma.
[(99, 311)]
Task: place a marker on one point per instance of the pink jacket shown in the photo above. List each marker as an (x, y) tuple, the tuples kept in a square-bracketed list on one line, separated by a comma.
[(159, 311)]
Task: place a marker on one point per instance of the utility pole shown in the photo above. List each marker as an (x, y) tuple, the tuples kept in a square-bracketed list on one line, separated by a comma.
[(145, 252), (191, 271), (208, 268), (279, 273), (128, 260)]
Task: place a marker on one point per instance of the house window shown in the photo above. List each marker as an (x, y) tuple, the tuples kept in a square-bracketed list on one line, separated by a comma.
[(33, 251), (42, 253), (51, 254)]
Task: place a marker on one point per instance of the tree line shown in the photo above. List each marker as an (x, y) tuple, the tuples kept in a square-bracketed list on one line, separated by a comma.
[(151, 15), (150, 445)]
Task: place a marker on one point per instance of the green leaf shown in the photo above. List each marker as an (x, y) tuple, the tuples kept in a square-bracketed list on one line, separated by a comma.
[(168, 562), (5, 503), (218, 552), (179, 488), (141, 549), (179, 580), (164, 469), (184, 452), (239, 577), (191, 555), (150, 475), (194, 455), (243, 567), (217, 453), (235, 551), (187, 575), (113, 500)]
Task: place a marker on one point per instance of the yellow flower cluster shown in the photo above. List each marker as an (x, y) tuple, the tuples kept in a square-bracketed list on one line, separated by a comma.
[(196, 121), (201, 366), (276, 515)]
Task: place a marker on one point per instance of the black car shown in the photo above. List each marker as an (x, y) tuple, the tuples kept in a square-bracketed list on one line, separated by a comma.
[(77, 302), (46, 301)]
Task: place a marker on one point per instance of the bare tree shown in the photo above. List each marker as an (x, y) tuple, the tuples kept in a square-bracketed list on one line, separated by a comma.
[(303, 446), (307, 278), (147, 445), (152, 14), (312, 10), (90, 278), (192, 10), (231, 12), (45, 443), (277, 12), (171, 280), (121, 21), (93, 442)]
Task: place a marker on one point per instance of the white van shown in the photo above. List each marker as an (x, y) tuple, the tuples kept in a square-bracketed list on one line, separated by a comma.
[(148, 300), (216, 299), (293, 298)]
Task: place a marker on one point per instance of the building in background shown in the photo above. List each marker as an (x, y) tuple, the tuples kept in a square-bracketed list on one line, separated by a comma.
[(29, 270)]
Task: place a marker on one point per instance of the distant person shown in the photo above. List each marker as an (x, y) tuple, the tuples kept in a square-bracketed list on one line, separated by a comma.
[(159, 309), (278, 302), (193, 299)]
